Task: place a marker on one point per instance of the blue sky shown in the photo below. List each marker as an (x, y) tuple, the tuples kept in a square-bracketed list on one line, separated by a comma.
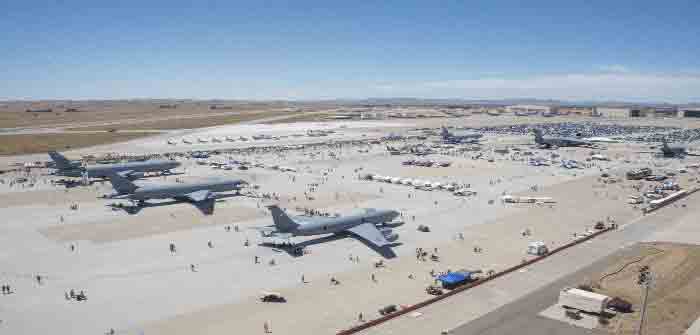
[(576, 50)]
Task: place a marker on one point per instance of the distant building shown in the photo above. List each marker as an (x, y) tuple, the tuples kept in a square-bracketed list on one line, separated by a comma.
[(689, 112), (523, 110), (370, 116), (666, 111), (641, 112), (43, 110), (575, 110), (213, 107), (613, 112)]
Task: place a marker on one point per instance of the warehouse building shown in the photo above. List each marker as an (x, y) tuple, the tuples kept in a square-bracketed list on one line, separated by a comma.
[(576, 110), (529, 109), (663, 111), (689, 112), (613, 112), (640, 112)]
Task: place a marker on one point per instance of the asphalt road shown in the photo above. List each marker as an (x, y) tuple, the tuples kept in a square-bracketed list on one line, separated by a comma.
[(521, 316)]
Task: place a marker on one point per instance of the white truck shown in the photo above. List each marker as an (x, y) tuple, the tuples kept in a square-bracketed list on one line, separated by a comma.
[(590, 302)]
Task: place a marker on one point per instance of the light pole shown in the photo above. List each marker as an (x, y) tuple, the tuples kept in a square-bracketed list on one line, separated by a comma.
[(645, 280)]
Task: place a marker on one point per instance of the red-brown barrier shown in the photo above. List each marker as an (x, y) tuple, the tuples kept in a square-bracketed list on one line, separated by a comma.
[(462, 288)]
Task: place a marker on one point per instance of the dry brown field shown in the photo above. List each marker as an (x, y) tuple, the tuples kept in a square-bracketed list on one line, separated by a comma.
[(674, 300), (66, 114), (38, 143)]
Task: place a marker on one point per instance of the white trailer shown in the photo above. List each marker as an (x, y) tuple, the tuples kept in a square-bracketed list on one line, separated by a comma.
[(671, 198), (573, 298)]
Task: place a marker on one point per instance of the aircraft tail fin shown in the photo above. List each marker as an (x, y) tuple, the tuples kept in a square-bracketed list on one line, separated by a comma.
[(282, 221), (121, 184), (445, 133), (538, 135), (61, 161)]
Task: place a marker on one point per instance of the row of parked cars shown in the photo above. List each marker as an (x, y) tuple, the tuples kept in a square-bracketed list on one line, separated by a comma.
[(425, 163)]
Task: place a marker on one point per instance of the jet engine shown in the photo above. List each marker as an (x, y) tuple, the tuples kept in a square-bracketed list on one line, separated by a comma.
[(136, 175), (389, 234)]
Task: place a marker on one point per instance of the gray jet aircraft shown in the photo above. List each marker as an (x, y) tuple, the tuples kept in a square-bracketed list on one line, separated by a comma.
[(133, 170), (362, 225), (675, 151), (458, 137), (555, 142), (201, 194)]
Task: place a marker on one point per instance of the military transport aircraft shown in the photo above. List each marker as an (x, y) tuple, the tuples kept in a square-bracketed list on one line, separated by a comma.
[(133, 170), (362, 225), (675, 151), (201, 194), (459, 137), (556, 142)]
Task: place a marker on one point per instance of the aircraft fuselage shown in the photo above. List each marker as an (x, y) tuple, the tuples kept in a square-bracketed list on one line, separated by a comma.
[(330, 225)]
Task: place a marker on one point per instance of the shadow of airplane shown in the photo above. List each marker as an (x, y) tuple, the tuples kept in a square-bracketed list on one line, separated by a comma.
[(293, 249), (206, 206), (70, 183)]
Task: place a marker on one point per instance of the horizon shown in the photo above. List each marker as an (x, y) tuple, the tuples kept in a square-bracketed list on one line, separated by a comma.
[(378, 100), (317, 51)]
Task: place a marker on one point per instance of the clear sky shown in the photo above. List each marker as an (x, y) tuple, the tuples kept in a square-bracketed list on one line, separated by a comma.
[(577, 50)]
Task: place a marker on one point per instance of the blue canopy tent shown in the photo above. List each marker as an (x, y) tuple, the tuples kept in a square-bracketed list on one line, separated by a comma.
[(454, 279)]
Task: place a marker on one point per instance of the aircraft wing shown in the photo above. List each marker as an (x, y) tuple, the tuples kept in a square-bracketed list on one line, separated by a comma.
[(370, 233), (198, 196)]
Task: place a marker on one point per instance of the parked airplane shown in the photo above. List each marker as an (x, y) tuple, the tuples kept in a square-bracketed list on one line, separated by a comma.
[(676, 151), (65, 167), (361, 225), (458, 137), (555, 142), (202, 194)]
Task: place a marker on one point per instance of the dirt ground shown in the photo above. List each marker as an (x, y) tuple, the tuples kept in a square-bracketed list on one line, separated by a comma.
[(37, 143), (307, 117), (674, 300), (72, 113), (199, 121)]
